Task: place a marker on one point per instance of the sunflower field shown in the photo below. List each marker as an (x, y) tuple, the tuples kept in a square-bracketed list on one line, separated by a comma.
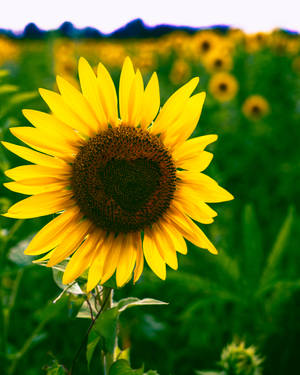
[(235, 313)]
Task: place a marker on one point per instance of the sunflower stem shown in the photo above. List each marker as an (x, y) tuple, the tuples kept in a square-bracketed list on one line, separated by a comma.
[(108, 358), (106, 300)]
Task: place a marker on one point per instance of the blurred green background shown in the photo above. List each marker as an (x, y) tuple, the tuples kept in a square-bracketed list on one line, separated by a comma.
[(251, 290)]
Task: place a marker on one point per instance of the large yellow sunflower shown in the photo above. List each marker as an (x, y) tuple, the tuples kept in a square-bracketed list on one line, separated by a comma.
[(124, 185)]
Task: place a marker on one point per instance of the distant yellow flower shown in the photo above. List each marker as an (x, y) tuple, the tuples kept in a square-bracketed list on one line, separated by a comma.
[(180, 72), (125, 185), (218, 60), (9, 50), (255, 107), (65, 63), (254, 42), (111, 53), (236, 35), (223, 86), (205, 42), (145, 56)]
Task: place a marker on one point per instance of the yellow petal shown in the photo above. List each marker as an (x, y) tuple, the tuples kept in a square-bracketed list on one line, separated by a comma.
[(126, 260), (37, 139), (186, 196), (207, 189), (189, 229), (41, 181), (112, 258), (78, 103), (41, 205), (18, 187), (63, 112), (34, 156), (71, 243), (126, 79), (135, 100), (194, 208), (139, 257), (165, 246), (152, 255), (45, 257), (82, 257), (52, 126), (89, 88), (35, 171), (192, 146), (198, 162), (184, 126), (175, 236), (151, 102), (108, 95), (49, 236), (97, 264), (173, 107)]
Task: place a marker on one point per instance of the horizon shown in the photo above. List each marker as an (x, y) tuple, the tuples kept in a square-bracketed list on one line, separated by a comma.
[(250, 17)]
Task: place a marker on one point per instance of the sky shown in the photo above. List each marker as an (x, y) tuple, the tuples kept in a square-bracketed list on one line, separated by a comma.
[(109, 15)]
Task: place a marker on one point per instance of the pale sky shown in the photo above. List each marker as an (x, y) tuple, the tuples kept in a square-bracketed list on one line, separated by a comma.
[(108, 15)]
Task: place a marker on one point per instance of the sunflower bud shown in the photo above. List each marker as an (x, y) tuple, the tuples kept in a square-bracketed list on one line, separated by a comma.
[(236, 359)]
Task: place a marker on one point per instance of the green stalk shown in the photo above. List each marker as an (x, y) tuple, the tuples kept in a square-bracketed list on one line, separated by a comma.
[(3, 315), (108, 358)]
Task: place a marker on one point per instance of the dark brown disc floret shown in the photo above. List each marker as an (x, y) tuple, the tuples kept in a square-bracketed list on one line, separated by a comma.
[(123, 179)]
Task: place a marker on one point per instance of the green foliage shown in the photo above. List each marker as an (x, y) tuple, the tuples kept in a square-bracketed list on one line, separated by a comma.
[(125, 303), (251, 289), (122, 367), (236, 359), (55, 369)]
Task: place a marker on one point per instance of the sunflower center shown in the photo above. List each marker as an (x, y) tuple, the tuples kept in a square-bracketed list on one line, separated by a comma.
[(205, 45), (123, 179), (130, 182), (256, 110), (218, 63), (223, 87)]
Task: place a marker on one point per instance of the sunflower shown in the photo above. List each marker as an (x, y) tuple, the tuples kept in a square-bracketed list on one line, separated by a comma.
[(218, 60), (180, 72), (223, 86), (255, 107), (205, 42), (125, 186)]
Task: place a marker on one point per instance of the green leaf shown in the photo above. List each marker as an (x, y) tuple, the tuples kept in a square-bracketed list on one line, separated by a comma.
[(125, 303), (84, 311), (17, 256), (151, 372), (106, 328), (122, 367), (55, 369), (93, 342), (277, 251), (22, 97), (7, 89), (72, 288), (209, 372), (54, 309), (253, 253), (4, 73)]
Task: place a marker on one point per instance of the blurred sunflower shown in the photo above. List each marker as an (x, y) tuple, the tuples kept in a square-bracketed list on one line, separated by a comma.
[(255, 107), (180, 72), (223, 86), (205, 42), (218, 60), (125, 188)]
